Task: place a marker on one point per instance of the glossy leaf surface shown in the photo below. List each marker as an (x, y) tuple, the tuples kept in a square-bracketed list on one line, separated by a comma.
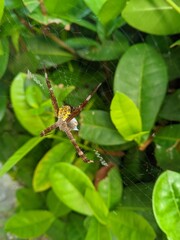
[(94, 5), (166, 203), (57, 207), (171, 107), (48, 53), (19, 154), (96, 126), (126, 117), (3, 102), (4, 54), (1, 8), (68, 7), (154, 17), (97, 231), (31, 5), (28, 199), (110, 188), (167, 150), (62, 152), (110, 10), (142, 75), (75, 228), (29, 224), (69, 183), (97, 204), (22, 109), (107, 51), (129, 225)]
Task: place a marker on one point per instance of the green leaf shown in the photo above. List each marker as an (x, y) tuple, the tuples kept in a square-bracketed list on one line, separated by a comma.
[(126, 117), (142, 75), (108, 50), (82, 23), (176, 43), (94, 5), (160, 43), (57, 230), (97, 231), (67, 7), (3, 101), (39, 17), (69, 184), (75, 229), (62, 152), (31, 5), (55, 205), (166, 203), (1, 8), (96, 126), (80, 42), (34, 96), (110, 188), (19, 154), (158, 17), (173, 61), (62, 93), (134, 165), (97, 204), (110, 10), (171, 107), (23, 61), (138, 197), (174, 5), (129, 225), (29, 224), (167, 150), (28, 199), (11, 5), (4, 54), (15, 39), (29, 120), (47, 52)]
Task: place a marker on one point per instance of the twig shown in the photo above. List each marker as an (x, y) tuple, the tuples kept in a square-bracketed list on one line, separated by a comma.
[(58, 41), (43, 9), (111, 153), (146, 143), (47, 33)]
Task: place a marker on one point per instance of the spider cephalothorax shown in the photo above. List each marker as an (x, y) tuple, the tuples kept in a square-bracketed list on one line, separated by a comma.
[(64, 112)]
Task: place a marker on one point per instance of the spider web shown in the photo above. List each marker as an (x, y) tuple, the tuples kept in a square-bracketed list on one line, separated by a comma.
[(67, 76)]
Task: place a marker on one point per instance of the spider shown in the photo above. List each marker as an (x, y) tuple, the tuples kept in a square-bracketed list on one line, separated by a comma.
[(66, 118)]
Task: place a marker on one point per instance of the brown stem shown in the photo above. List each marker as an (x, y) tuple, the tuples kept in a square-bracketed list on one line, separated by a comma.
[(43, 9), (146, 143), (150, 139), (47, 33), (59, 41), (111, 153)]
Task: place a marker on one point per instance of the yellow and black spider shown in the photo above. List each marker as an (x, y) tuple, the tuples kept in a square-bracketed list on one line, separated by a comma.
[(66, 118)]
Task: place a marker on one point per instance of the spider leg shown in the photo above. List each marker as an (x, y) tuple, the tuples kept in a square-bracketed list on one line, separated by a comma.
[(53, 98), (72, 139), (78, 109), (49, 129)]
